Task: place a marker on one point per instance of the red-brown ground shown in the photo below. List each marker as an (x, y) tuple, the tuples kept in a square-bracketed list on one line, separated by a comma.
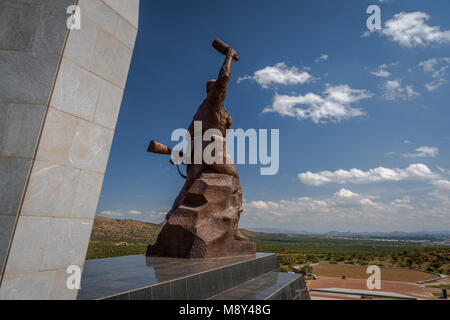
[(359, 272), (405, 288)]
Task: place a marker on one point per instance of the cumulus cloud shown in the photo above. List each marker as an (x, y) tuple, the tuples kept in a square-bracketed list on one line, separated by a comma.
[(347, 210), (423, 152), (410, 29), (443, 185), (428, 65), (285, 207), (438, 69), (135, 212), (346, 197), (357, 176), (344, 193), (279, 74), (111, 213), (444, 171), (434, 85), (334, 105), (259, 205), (393, 90), (323, 57), (382, 71)]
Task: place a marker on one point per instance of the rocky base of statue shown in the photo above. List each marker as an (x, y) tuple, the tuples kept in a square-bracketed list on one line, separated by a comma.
[(203, 222)]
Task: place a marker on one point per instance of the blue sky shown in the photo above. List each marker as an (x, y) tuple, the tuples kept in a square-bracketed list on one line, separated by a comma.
[(343, 98)]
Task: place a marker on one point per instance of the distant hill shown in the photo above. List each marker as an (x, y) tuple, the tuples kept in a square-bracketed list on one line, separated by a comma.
[(116, 237), (124, 230), (420, 235)]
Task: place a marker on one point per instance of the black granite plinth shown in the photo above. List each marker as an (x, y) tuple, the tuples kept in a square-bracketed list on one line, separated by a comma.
[(270, 286), (155, 278)]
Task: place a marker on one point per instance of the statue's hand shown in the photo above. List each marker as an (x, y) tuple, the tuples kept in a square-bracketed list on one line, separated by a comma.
[(233, 54)]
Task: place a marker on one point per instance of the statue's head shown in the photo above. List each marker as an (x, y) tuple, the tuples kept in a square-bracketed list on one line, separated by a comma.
[(210, 85)]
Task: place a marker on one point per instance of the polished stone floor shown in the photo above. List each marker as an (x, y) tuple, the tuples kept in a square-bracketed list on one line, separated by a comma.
[(260, 288), (109, 277)]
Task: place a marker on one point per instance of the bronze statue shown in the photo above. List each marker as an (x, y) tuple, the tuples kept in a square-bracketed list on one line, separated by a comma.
[(203, 221)]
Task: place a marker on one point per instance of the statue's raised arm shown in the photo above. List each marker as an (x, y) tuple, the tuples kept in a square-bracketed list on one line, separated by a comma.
[(217, 89)]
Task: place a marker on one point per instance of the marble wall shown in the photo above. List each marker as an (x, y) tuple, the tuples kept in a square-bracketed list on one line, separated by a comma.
[(67, 166), (29, 57)]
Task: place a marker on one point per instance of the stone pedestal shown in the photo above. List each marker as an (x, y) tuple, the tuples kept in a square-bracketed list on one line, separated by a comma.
[(204, 221), (251, 277)]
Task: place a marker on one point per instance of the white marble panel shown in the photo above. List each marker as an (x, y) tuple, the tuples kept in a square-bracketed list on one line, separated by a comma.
[(126, 33), (108, 105), (90, 147), (88, 192), (111, 59), (76, 90), (51, 190), (57, 136), (29, 286), (128, 9), (67, 243), (28, 245)]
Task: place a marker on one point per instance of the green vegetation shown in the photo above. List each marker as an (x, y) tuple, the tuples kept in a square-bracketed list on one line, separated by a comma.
[(442, 286), (112, 238), (295, 250), (115, 238)]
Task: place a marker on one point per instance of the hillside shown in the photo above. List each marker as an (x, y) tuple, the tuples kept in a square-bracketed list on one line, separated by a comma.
[(112, 238), (115, 237)]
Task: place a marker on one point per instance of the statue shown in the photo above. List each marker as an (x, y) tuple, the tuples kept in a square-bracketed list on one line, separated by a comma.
[(203, 221)]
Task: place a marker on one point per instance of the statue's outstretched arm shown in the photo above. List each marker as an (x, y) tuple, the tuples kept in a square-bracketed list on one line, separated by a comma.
[(219, 92), (225, 72)]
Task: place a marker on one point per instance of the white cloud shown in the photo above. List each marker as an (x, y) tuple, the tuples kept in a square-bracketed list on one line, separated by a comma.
[(438, 68), (434, 85), (344, 193), (366, 34), (259, 205), (444, 171), (393, 90), (442, 185), (335, 105), (411, 29), (441, 72), (428, 65), (382, 70), (157, 214), (134, 212), (423, 152), (407, 141), (323, 57), (346, 197), (357, 176), (381, 73), (111, 213), (351, 212), (279, 74)]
